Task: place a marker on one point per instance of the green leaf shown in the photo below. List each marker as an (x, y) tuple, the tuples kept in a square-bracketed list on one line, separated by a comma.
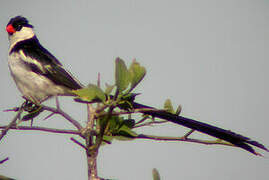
[(122, 129), (90, 93), (137, 73), (126, 131), (168, 106), (123, 137), (107, 139), (155, 174), (125, 134), (114, 123), (121, 75)]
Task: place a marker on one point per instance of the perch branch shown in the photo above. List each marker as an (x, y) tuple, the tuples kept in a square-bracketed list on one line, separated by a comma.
[(185, 139), (13, 121), (65, 115), (37, 128)]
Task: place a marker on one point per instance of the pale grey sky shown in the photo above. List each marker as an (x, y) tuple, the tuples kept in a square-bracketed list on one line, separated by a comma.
[(209, 56)]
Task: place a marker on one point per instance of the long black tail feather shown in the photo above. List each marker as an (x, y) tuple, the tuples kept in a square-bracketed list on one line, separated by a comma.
[(227, 135)]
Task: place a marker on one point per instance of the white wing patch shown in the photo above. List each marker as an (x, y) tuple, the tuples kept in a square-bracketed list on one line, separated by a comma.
[(31, 61)]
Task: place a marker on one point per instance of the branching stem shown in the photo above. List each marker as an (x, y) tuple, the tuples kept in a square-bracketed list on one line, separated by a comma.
[(37, 128), (65, 115), (13, 121)]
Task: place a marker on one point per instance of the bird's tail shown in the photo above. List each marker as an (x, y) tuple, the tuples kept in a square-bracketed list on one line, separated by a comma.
[(227, 135)]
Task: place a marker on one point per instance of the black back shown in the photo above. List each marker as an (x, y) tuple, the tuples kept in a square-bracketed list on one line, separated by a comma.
[(53, 68)]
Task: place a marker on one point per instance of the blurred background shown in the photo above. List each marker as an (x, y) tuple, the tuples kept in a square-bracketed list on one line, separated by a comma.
[(209, 56)]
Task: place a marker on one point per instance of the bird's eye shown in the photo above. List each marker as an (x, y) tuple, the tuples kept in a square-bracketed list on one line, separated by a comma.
[(19, 26)]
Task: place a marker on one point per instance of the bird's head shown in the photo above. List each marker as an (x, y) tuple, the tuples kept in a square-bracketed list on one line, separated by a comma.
[(19, 29)]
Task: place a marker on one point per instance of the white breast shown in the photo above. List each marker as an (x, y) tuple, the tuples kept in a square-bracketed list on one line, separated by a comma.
[(34, 87)]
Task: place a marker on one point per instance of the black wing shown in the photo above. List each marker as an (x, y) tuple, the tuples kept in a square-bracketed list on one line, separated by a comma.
[(47, 65)]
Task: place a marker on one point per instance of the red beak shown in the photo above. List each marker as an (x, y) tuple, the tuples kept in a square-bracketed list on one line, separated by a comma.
[(10, 29)]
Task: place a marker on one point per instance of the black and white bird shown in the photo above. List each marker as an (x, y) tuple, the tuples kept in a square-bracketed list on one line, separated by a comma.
[(39, 76), (36, 72)]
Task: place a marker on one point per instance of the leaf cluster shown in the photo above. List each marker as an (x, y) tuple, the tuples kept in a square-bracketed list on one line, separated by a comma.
[(114, 103)]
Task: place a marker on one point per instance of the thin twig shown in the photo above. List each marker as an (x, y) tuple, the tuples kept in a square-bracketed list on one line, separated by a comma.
[(142, 110), (78, 143), (15, 109), (188, 133), (99, 80), (65, 115), (163, 138), (150, 123), (57, 102), (5, 130), (32, 122), (50, 115), (37, 128), (142, 120), (4, 160)]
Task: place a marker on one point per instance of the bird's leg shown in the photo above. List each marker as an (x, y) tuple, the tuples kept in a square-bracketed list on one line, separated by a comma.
[(32, 109)]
